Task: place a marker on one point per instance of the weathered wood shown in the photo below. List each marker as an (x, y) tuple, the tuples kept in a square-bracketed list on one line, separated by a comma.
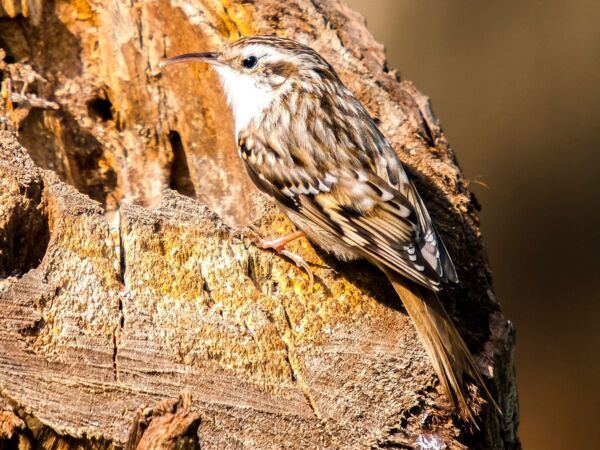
[(170, 425), (106, 309)]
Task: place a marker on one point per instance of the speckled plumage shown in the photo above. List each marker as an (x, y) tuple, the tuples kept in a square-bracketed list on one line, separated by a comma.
[(309, 144), (319, 154)]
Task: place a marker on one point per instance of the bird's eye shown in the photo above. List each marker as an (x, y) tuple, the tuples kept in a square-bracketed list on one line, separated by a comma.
[(249, 62)]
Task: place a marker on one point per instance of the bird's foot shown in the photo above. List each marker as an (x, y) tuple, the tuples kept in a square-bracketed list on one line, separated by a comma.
[(278, 246)]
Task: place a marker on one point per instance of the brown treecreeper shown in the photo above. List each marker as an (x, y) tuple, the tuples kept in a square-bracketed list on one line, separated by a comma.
[(311, 146)]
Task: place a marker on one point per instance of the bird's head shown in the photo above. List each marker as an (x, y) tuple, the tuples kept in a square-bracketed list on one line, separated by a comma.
[(255, 71)]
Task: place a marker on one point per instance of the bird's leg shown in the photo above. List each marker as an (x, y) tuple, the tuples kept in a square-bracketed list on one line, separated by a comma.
[(278, 246)]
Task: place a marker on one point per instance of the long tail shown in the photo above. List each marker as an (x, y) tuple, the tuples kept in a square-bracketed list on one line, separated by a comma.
[(447, 351)]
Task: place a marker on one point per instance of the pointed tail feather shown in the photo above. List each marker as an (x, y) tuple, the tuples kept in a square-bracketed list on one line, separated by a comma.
[(447, 351)]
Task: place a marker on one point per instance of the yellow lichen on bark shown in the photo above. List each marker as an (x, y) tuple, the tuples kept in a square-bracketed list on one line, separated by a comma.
[(237, 18)]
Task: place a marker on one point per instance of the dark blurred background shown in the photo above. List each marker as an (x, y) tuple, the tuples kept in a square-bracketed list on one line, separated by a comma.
[(516, 85)]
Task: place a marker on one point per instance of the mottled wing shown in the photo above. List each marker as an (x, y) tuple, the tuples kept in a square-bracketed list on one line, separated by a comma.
[(388, 166), (370, 215), (431, 245), (376, 221)]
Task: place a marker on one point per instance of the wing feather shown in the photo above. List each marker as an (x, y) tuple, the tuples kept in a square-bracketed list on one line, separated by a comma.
[(376, 216)]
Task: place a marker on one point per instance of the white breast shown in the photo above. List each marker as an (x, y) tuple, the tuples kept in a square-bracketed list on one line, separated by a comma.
[(246, 98)]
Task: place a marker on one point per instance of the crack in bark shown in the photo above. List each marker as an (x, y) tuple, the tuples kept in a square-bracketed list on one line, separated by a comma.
[(290, 358), (115, 226), (296, 372), (115, 355)]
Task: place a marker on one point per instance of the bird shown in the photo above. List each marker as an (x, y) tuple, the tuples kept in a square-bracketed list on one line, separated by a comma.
[(310, 145)]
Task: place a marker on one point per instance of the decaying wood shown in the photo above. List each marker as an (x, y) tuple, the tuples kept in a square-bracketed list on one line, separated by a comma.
[(120, 287), (171, 425)]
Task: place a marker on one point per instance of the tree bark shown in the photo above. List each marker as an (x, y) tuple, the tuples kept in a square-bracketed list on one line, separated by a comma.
[(122, 282)]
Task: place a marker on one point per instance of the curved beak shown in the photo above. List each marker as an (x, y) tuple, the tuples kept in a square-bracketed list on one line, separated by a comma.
[(206, 57)]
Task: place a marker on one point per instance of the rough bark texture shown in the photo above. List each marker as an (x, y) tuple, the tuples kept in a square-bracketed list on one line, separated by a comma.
[(105, 309)]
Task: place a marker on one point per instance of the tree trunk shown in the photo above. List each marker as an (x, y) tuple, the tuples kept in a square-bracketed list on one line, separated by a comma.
[(120, 287)]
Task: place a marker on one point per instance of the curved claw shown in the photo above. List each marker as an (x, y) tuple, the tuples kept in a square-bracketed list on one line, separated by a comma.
[(277, 245), (300, 262)]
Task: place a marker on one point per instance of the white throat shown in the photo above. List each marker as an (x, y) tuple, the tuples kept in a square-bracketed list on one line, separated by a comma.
[(247, 100)]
